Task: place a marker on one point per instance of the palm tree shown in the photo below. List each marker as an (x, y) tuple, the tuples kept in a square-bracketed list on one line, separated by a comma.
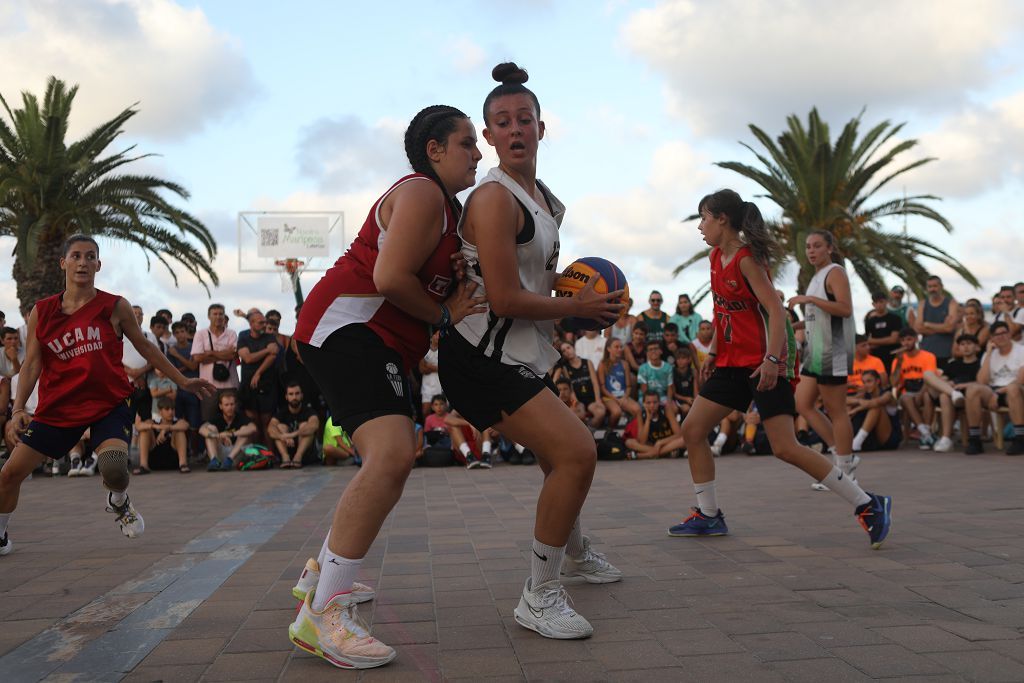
[(820, 185), (50, 189)]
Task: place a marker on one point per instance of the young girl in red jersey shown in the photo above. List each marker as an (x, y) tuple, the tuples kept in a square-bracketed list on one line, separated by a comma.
[(360, 331), (74, 348), (752, 358)]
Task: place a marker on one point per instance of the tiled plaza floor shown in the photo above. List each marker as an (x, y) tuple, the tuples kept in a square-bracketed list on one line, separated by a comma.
[(794, 594)]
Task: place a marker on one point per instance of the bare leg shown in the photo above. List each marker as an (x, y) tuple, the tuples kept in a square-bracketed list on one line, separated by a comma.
[(807, 392), (304, 444), (597, 413), (883, 428), (16, 470), (779, 430), (699, 422), (146, 439), (180, 442), (834, 398)]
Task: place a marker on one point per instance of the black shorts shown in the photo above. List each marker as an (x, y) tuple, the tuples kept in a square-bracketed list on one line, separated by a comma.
[(55, 442), (1001, 398), (360, 376), (827, 380), (482, 388), (734, 387)]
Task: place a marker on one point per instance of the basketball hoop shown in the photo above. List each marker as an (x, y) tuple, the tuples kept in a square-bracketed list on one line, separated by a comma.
[(291, 269)]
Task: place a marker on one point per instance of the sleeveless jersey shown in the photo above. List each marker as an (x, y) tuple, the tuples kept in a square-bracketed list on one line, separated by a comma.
[(581, 384), (346, 293), (515, 341), (82, 378), (939, 344), (741, 323), (615, 381), (829, 337)]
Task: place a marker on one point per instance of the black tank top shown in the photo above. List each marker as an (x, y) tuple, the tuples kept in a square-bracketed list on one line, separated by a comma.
[(581, 384), (683, 383)]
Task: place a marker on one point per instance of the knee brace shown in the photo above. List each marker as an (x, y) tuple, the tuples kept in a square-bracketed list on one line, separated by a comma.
[(112, 464)]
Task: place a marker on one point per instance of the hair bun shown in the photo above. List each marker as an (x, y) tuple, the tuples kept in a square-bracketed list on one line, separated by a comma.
[(509, 72)]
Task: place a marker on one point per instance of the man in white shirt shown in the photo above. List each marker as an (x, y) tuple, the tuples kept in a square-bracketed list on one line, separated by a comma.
[(591, 347), (216, 346), (999, 385)]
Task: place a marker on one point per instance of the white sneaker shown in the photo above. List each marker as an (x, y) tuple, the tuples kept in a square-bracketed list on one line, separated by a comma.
[(338, 635), (131, 522), (311, 577), (818, 486), (926, 442), (957, 396), (546, 610), (5, 545), (716, 450), (88, 467), (55, 468), (76, 467), (943, 445), (592, 566), (850, 470)]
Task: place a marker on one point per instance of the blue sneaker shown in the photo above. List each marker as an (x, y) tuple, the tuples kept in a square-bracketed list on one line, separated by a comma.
[(876, 518), (699, 524), (227, 465), (214, 465)]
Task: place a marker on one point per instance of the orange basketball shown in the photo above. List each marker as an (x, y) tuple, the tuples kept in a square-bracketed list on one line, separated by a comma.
[(578, 274)]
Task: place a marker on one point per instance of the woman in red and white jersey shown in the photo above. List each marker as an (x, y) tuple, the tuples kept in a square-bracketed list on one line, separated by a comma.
[(360, 331), (752, 358), (74, 350)]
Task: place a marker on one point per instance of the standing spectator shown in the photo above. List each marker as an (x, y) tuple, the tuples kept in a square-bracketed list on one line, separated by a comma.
[(215, 349), (582, 377), (227, 433), (972, 325), (168, 319), (950, 384), (10, 365), (937, 318), (656, 375), (655, 434), (190, 324), (882, 328), (622, 329), (999, 386), (615, 382), (897, 306), (864, 361), (1018, 290), (430, 385), (591, 347), (162, 439), (1005, 308), (702, 344), (686, 319), (186, 404), (908, 377), (654, 319), (258, 391), (137, 368), (635, 352), (294, 428)]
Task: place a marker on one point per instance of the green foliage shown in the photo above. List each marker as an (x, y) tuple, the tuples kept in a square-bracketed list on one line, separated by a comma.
[(821, 185), (50, 189)]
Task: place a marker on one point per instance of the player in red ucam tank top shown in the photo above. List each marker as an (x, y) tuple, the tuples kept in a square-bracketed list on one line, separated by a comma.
[(364, 325), (751, 359), (74, 352)]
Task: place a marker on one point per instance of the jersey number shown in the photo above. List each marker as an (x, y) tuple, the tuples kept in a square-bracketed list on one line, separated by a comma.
[(553, 259), (725, 320)]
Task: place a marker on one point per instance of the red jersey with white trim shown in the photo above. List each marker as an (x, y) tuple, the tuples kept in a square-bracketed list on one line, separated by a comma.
[(82, 378), (741, 323), (346, 293)]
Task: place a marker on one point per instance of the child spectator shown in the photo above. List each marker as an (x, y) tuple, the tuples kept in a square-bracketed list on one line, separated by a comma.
[(163, 440), (999, 386), (635, 352), (566, 396), (685, 380), (686, 320), (882, 328), (582, 376), (755, 438), (160, 386), (430, 385), (615, 381), (702, 344), (908, 370), (670, 343), (874, 416), (656, 375), (949, 384), (337, 446), (294, 428), (654, 434), (864, 361), (591, 347), (227, 433), (470, 447), (622, 329)]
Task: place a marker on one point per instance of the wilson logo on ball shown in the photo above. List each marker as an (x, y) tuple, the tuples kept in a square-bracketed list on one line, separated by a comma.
[(578, 275)]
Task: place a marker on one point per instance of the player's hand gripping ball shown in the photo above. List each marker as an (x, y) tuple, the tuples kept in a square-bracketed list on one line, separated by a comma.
[(576, 276)]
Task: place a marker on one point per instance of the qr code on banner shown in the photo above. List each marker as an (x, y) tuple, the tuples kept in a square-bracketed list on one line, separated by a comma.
[(269, 237)]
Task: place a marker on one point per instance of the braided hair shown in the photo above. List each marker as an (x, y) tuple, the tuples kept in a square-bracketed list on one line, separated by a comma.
[(745, 218), (436, 122), (511, 78)]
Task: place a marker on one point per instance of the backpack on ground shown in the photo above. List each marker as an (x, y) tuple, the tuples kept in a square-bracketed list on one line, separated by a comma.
[(254, 457)]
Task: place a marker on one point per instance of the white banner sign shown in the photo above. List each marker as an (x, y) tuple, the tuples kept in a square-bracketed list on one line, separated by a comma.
[(284, 236)]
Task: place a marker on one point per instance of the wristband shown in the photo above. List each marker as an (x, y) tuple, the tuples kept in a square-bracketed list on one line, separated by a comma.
[(772, 359), (445, 322), (711, 353), (18, 410)]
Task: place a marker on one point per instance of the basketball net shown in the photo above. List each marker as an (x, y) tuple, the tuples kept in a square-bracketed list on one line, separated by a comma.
[(291, 269)]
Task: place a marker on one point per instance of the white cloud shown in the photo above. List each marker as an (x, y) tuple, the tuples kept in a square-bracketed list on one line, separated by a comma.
[(181, 69), (732, 62), (466, 56), (345, 153)]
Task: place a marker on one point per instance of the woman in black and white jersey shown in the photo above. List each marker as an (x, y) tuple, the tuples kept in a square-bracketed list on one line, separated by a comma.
[(493, 365)]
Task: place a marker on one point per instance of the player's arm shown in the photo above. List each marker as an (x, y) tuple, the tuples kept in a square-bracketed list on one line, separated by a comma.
[(493, 219), (770, 301)]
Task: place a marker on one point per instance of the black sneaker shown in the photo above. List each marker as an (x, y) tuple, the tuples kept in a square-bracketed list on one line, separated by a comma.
[(471, 462), (974, 446), (514, 458), (5, 545), (485, 461), (1016, 446), (529, 458)]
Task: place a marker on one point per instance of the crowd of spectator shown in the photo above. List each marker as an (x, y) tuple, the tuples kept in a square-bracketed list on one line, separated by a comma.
[(924, 373)]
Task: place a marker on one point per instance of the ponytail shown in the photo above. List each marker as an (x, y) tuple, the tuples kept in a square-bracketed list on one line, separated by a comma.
[(745, 218), (435, 122)]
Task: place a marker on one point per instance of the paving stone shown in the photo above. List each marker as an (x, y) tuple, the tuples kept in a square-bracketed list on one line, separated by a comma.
[(981, 666), (925, 638), (886, 661), (770, 647)]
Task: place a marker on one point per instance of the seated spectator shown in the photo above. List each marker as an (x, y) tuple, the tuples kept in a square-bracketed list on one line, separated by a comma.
[(863, 361), (882, 328), (580, 373), (685, 319), (654, 434), (615, 382), (949, 385), (755, 438), (430, 384), (337, 447), (874, 416), (294, 428), (622, 329), (685, 379), (635, 352), (163, 440), (566, 396), (470, 447), (77, 458), (1000, 379), (227, 433), (670, 343), (727, 430), (908, 370), (258, 389), (702, 344), (972, 325), (160, 386), (591, 346), (656, 375), (653, 318)]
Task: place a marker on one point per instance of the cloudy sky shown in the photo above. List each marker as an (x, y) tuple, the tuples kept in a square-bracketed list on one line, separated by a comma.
[(301, 106)]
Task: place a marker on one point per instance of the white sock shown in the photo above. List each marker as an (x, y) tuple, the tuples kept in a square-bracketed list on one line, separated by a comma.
[(337, 575), (707, 499), (720, 439), (464, 449), (859, 439), (925, 430), (323, 551), (486, 448), (5, 518), (118, 497), (574, 546), (848, 489), (844, 461), (545, 563), (519, 449)]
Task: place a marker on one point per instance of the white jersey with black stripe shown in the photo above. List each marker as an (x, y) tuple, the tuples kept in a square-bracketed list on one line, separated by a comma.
[(515, 341)]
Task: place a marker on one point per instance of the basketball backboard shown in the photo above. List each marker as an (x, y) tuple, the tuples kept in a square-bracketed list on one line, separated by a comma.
[(265, 237)]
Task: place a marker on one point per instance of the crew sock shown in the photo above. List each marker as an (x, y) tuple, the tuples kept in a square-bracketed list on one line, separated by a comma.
[(574, 547), (323, 551), (859, 439), (707, 499), (486, 448), (118, 498), (545, 563), (845, 487), (5, 518), (464, 449), (337, 575)]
